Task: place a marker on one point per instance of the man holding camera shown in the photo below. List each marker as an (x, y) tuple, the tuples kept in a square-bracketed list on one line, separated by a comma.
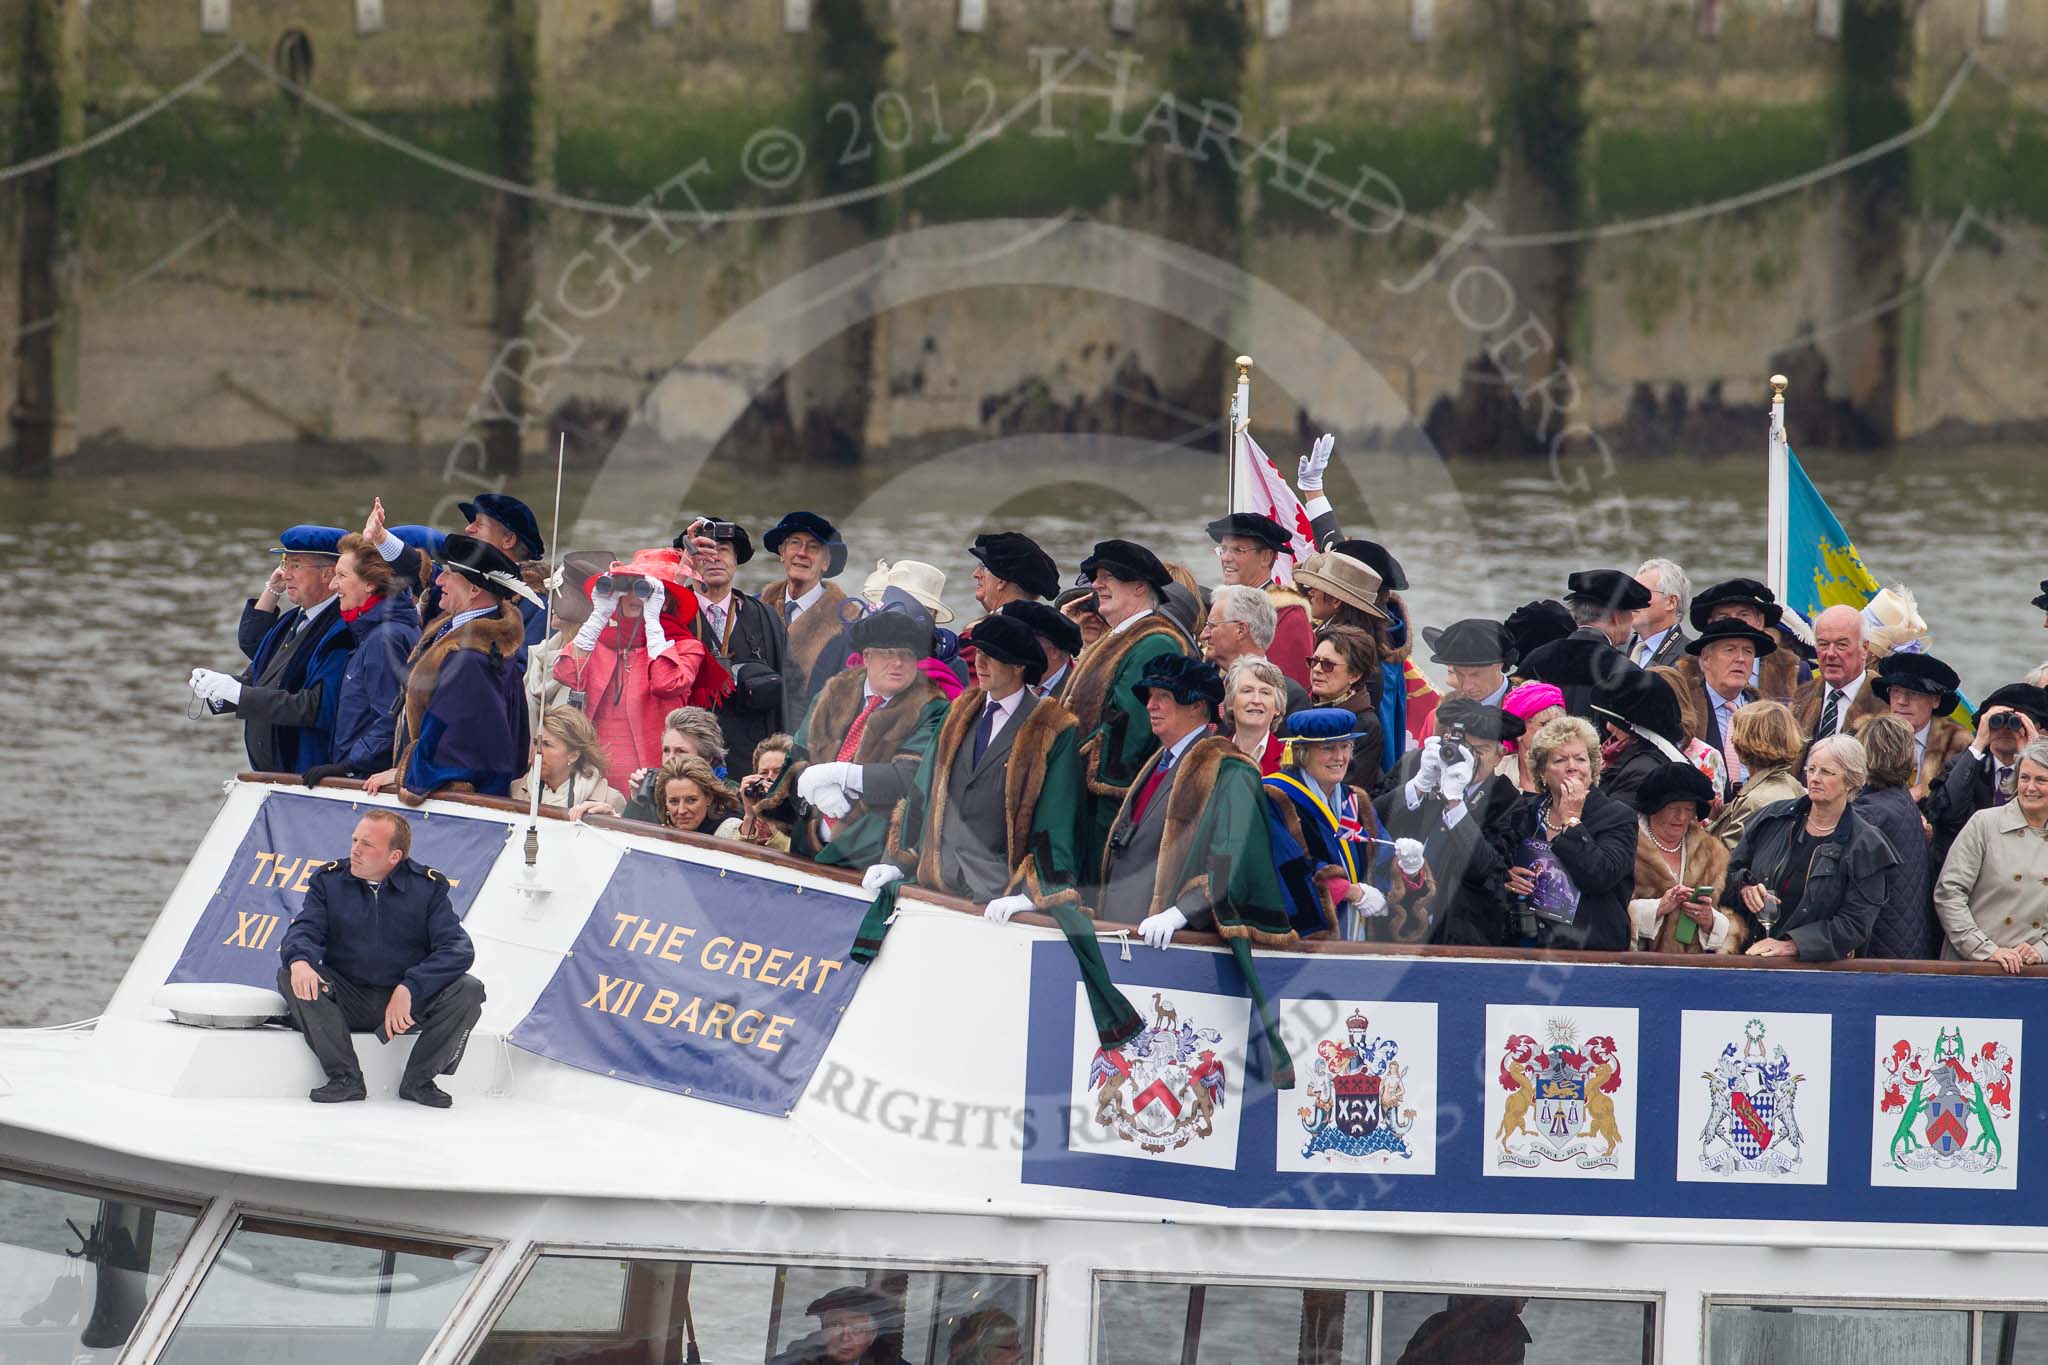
[(1452, 812), (1982, 775), (742, 633)]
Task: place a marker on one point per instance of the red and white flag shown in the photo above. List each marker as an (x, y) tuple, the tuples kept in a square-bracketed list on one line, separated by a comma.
[(1260, 488)]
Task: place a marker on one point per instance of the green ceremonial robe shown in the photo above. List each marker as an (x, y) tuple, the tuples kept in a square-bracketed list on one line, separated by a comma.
[(895, 740), (1116, 734)]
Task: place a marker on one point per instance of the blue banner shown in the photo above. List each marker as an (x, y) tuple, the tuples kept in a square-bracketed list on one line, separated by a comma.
[(291, 838), (1548, 1090), (719, 986)]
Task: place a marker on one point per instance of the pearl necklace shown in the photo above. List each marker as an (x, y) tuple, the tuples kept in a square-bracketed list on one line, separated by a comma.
[(1668, 848)]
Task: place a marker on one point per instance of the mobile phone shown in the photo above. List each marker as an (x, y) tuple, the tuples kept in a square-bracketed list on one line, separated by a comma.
[(1685, 931)]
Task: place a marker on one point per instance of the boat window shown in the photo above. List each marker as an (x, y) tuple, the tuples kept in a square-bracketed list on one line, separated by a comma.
[(315, 1295), (2015, 1338), (79, 1265), (1769, 1333), (1140, 1322), (645, 1311)]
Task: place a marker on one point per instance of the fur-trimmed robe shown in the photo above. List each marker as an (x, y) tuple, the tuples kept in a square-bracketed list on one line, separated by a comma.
[(815, 626), (1706, 864), (1041, 801), (898, 734), (462, 720), (1115, 733), (1215, 858), (1408, 899)]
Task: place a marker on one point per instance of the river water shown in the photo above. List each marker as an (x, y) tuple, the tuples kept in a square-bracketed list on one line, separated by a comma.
[(116, 586)]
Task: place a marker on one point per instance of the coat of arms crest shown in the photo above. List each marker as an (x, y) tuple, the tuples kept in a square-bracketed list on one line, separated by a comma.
[(1949, 1105), (1560, 1105), (1356, 1095), (1752, 1109), (1162, 1088)]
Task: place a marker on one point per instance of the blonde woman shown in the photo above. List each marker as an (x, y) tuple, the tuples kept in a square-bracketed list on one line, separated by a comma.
[(1573, 848), (572, 768), (1768, 740)]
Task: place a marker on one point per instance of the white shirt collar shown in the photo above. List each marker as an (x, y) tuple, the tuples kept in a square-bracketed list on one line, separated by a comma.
[(1052, 680), (331, 600), (464, 618), (809, 599), (1180, 746), (1848, 690), (718, 604), (1008, 705), (1129, 621)]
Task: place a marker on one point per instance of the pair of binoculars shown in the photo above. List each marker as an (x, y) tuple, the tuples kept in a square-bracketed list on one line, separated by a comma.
[(2007, 720), (625, 583)]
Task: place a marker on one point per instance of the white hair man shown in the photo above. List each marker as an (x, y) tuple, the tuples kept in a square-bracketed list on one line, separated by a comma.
[(1660, 640), (1242, 623), (1837, 698)]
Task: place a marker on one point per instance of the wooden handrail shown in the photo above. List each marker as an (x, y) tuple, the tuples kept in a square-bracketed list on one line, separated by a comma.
[(1325, 947)]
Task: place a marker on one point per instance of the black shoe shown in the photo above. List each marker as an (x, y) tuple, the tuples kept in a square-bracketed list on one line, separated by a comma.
[(427, 1093), (339, 1091)]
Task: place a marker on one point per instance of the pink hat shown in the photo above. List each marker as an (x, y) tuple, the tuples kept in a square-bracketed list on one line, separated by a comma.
[(1526, 700)]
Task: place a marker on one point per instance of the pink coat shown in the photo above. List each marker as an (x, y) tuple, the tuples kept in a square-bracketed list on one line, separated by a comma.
[(684, 674)]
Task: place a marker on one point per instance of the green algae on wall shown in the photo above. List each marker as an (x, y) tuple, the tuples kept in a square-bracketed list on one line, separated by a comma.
[(1644, 165)]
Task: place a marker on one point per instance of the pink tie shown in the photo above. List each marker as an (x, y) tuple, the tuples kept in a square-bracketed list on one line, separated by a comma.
[(850, 746)]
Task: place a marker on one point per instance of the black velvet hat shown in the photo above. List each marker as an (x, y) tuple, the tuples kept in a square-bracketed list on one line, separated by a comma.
[(1010, 641), (1918, 673), (1016, 558), (1376, 557), (1470, 643), (2020, 697), (742, 543), (814, 525), (1251, 526), (483, 564), (1609, 588), (1676, 782), (1186, 679), (1744, 590), (1124, 559), (892, 629), (1050, 624), (1535, 624), (510, 513), (1728, 628), (1640, 698)]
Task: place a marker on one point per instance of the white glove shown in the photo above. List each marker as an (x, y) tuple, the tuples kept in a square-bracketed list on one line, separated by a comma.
[(657, 636), (215, 688), (830, 787), (1369, 900), (1457, 777), (1431, 774), (1308, 476), (1160, 928), (603, 602), (602, 605), (879, 876), (1002, 907), (1408, 855)]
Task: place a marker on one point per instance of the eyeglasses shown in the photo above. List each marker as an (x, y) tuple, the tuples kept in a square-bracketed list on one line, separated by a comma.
[(1317, 661)]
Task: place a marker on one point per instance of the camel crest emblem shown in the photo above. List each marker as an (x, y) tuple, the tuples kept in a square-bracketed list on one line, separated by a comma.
[(1160, 1090)]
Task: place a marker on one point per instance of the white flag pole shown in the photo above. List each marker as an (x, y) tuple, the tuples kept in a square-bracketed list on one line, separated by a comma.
[(1779, 483), (1240, 428)]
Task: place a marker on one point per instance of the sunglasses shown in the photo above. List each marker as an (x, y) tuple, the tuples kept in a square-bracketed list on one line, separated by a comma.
[(1317, 661)]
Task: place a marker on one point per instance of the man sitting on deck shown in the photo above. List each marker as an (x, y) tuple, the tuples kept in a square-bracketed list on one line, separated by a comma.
[(377, 946)]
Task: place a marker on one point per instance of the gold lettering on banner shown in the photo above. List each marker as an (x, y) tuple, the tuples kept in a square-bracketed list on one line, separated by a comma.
[(649, 933), (771, 1037), (715, 1021), (799, 978), (743, 961), (252, 930), (664, 1007), (305, 881), (623, 919), (605, 986), (282, 872), (723, 954), (688, 1018), (676, 938), (771, 969), (261, 859)]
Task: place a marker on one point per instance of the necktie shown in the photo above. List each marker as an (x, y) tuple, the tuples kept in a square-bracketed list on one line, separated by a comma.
[(789, 611), (1733, 765), (1998, 793), (1151, 785), (850, 746), (985, 731), (1830, 714)]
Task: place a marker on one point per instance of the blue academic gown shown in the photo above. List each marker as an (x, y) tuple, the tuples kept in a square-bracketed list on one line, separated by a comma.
[(475, 727), (366, 719), (1325, 844)]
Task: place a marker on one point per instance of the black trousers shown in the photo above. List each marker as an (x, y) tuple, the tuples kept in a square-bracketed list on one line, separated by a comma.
[(346, 1007)]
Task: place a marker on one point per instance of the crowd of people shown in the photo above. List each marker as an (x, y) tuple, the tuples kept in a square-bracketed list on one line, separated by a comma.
[(1631, 764)]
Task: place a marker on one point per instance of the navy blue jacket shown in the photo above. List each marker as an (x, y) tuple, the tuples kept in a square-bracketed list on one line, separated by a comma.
[(366, 720), (288, 725), (406, 934)]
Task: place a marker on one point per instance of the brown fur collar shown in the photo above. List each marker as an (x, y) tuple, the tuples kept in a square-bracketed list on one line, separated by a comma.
[(499, 636), (1023, 782), (888, 729), (819, 625), (1706, 864), (1282, 597), (1194, 779), (1087, 691), (1777, 678)]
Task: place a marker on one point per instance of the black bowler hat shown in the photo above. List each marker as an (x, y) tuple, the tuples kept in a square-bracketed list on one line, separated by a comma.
[(1535, 624), (2024, 697), (1918, 673), (1017, 558), (510, 513), (1008, 640), (1183, 677), (1746, 591), (1477, 720), (1050, 624), (891, 629), (1251, 526), (742, 544), (1728, 628), (1608, 588), (1672, 783), (1470, 643), (1125, 560), (1638, 698), (485, 565), (811, 524), (2042, 601), (1376, 557)]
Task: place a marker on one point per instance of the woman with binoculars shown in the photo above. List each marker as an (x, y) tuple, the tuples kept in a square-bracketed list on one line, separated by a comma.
[(636, 659)]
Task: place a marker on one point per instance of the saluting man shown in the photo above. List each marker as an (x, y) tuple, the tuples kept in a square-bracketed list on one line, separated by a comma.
[(996, 802), (377, 946), (508, 526), (1116, 735), (290, 693), (462, 723), (1248, 545)]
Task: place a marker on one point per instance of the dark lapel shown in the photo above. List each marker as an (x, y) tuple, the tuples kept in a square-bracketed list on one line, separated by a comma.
[(1000, 745)]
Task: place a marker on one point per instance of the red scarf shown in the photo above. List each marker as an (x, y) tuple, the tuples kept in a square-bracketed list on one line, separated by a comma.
[(372, 600)]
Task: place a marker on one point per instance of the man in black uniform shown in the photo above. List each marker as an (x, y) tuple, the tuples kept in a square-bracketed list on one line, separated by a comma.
[(748, 638), (1454, 804), (377, 946)]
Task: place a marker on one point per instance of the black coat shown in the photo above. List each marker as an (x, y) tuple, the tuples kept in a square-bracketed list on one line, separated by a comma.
[(1905, 927), (756, 653), (1963, 789), (1468, 862), (1599, 854), (1622, 780), (1844, 894)]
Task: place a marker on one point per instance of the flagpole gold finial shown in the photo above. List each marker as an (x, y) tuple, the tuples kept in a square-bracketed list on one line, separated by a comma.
[(1244, 366), (1778, 383)]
